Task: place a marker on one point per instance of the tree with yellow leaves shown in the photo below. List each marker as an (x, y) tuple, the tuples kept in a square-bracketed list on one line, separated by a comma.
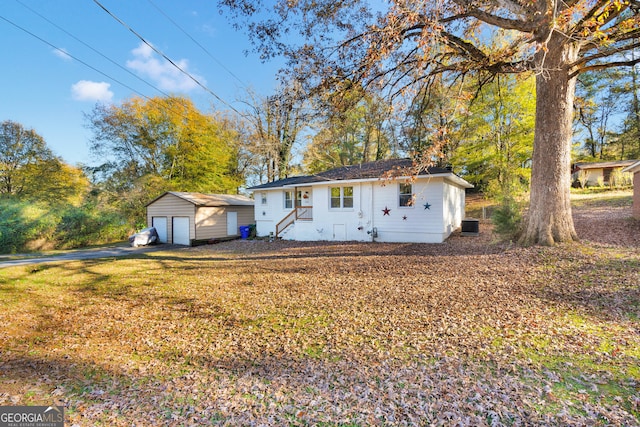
[(401, 46)]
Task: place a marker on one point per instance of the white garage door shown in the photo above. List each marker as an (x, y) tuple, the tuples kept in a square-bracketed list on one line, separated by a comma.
[(181, 231), (160, 224)]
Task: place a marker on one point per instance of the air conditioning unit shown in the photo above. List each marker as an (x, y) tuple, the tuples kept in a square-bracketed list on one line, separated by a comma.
[(470, 227)]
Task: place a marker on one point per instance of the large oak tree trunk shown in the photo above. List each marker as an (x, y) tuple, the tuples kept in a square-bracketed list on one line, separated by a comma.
[(549, 219)]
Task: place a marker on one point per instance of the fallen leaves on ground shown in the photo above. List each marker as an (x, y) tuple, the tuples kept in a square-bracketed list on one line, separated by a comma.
[(468, 332)]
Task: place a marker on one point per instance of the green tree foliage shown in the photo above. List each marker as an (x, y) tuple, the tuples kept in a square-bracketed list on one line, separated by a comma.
[(272, 130), (30, 171), (353, 129), (24, 222), (401, 46), (160, 144), (600, 97), (627, 142), (433, 123), (497, 137), (30, 226)]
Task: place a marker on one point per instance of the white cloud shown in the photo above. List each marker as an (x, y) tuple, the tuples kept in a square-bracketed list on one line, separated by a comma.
[(62, 54), (86, 90), (161, 73)]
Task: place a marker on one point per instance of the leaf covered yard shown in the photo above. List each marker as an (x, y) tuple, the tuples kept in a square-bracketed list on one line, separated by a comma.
[(469, 332)]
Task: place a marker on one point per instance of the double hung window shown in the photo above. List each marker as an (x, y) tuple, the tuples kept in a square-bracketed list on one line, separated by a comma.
[(341, 197), (406, 195)]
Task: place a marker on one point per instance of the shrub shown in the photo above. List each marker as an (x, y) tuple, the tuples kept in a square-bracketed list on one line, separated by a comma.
[(507, 218), (583, 178), (24, 222), (85, 225), (28, 226)]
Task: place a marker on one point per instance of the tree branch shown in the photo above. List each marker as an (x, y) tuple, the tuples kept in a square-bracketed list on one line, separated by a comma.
[(528, 26), (629, 63), (589, 15), (600, 55)]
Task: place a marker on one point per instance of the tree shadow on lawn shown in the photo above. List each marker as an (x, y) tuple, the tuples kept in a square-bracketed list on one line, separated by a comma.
[(606, 288), (264, 387), (287, 389)]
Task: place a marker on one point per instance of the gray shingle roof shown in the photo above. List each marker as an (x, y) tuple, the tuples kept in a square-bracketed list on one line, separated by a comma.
[(370, 170), (200, 199)]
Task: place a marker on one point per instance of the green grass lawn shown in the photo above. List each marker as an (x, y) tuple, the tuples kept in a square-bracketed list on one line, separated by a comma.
[(284, 333)]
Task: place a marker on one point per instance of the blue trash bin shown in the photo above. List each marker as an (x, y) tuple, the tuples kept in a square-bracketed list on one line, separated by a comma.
[(244, 231)]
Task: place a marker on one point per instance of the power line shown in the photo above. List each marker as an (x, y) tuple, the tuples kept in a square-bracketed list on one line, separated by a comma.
[(92, 67), (73, 57), (159, 52), (197, 43), (93, 49)]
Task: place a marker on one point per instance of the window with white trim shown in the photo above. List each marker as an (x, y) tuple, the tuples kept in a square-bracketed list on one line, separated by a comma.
[(288, 199), (263, 197), (341, 197), (406, 195)]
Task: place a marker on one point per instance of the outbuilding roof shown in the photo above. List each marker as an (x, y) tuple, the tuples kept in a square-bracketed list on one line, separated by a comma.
[(200, 199), (602, 165), (369, 170)]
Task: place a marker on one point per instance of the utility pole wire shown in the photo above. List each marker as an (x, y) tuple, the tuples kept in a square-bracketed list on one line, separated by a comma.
[(73, 57), (93, 49), (159, 52), (197, 43)]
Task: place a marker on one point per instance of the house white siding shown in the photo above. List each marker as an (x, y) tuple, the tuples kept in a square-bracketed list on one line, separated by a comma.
[(376, 215), (410, 223)]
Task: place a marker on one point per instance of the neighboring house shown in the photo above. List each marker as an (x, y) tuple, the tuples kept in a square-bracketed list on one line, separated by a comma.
[(190, 218), (598, 173), (635, 170), (362, 203)]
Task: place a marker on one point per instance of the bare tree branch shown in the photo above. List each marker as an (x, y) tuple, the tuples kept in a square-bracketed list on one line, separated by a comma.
[(529, 25)]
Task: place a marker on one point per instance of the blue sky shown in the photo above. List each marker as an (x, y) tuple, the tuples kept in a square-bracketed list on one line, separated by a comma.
[(48, 91)]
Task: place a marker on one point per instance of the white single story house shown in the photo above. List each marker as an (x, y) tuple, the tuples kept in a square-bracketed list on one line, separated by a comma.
[(635, 170), (188, 218), (597, 173), (383, 201)]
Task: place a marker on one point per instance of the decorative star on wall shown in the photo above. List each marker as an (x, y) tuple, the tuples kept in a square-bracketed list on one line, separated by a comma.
[(386, 211), (427, 205), (404, 218)]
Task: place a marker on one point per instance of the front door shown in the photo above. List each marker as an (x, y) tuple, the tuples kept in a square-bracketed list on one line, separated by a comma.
[(304, 197)]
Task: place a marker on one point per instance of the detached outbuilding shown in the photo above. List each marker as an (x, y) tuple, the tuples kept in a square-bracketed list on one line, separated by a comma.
[(190, 218), (635, 170), (599, 173)]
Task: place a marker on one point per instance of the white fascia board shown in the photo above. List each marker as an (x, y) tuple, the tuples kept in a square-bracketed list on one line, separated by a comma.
[(449, 176), (633, 168)]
